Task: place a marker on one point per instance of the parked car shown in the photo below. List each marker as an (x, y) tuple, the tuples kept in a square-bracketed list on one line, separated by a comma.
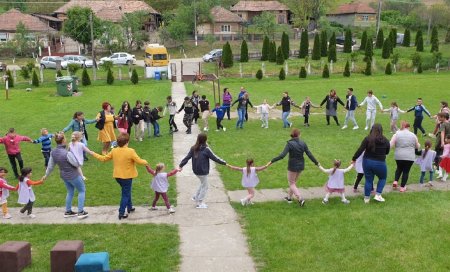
[(50, 62), (340, 40), (2, 66), (119, 58), (400, 37), (213, 55), (81, 60)]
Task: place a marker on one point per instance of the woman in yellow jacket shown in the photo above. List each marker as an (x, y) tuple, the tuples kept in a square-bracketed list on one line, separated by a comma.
[(124, 160)]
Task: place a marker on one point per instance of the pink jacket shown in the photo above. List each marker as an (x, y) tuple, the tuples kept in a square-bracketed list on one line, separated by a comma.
[(12, 143)]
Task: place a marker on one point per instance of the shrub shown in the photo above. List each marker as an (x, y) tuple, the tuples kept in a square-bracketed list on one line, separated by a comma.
[(10, 79), (323, 43), (332, 53), (393, 36), (348, 41), (386, 49), (282, 75), (406, 38), (134, 77), (259, 74), (332, 41), (416, 59), (369, 50), (227, 56), (368, 70), (285, 45), (280, 55), (388, 70), (59, 73), (85, 79), (347, 69), (380, 39), (434, 40), (304, 45), (244, 51), (326, 71), (109, 77), (35, 79), (273, 52), (316, 48), (265, 49), (362, 47), (419, 68), (73, 68), (419, 41), (447, 36), (302, 73), (25, 73)]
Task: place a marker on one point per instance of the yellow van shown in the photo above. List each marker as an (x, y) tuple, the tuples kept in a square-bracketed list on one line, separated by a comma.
[(156, 55)]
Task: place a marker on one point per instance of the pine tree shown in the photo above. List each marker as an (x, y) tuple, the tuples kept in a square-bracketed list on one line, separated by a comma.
[(35, 79), (109, 77), (326, 71), (388, 70), (280, 55), (134, 77), (362, 47), (304, 45), (406, 38), (244, 51), (316, 48), (393, 35), (419, 41), (434, 40), (302, 73), (332, 53), (323, 43), (282, 75), (85, 80), (386, 49), (273, 52), (259, 74), (369, 50), (265, 49), (227, 56), (332, 41), (285, 45), (348, 41), (380, 39), (368, 70), (347, 69)]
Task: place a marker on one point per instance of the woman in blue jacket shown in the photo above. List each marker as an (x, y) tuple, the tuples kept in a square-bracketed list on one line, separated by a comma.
[(78, 123)]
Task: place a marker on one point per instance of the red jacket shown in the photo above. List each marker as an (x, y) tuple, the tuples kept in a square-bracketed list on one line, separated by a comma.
[(12, 143)]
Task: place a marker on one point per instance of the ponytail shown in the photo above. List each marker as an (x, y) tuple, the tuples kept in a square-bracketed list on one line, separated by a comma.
[(159, 167), (337, 164), (249, 164), (427, 147)]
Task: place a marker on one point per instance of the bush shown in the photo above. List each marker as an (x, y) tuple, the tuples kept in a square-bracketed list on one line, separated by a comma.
[(282, 75), (244, 51), (332, 53), (347, 70), (35, 79), (59, 73), (107, 65), (434, 40), (134, 77), (362, 47), (369, 50), (332, 41), (407, 38), (419, 41), (368, 70), (259, 74), (316, 48), (380, 39), (302, 73), (265, 49), (419, 68), (109, 77), (393, 36), (388, 70), (348, 41), (280, 56), (326, 71), (323, 43), (73, 68), (416, 59), (25, 73), (273, 52), (285, 45), (304, 45), (10, 79), (386, 49), (227, 56), (85, 79), (447, 36)]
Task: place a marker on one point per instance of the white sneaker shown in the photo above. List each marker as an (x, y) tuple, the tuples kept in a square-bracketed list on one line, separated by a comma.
[(346, 201), (344, 127), (171, 210), (366, 128), (366, 200), (204, 129), (262, 125), (32, 215), (379, 198), (355, 127), (202, 206), (243, 202), (224, 129), (7, 216), (217, 130)]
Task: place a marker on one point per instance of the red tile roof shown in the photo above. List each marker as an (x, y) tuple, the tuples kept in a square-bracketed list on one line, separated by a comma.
[(258, 6), (360, 8), (222, 15), (10, 19)]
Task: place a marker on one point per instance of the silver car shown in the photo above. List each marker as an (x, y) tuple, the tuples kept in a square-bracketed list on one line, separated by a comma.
[(50, 62), (81, 60), (119, 58), (213, 55)]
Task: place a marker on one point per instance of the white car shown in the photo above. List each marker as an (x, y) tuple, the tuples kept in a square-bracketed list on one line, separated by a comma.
[(50, 62), (119, 58), (81, 60)]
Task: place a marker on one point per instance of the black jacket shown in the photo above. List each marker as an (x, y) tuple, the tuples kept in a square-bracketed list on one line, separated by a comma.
[(332, 105), (200, 161), (296, 147), (101, 122), (137, 115), (286, 103), (382, 147), (242, 102), (147, 114), (154, 115)]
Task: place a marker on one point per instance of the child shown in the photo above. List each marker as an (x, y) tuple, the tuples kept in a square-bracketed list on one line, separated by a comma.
[(77, 148), (46, 141), (204, 109), (425, 161), (220, 113), (445, 162), (306, 107), (335, 181), (359, 171), (4, 192), (264, 109), (249, 179), (26, 194), (12, 146), (160, 184), (147, 114), (154, 117), (171, 106), (394, 111), (188, 107), (419, 109)]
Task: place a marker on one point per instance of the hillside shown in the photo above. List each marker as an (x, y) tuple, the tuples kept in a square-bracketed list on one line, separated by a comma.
[(426, 2)]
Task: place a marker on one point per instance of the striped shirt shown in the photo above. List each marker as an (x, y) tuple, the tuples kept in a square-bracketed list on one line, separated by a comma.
[(46, 141)]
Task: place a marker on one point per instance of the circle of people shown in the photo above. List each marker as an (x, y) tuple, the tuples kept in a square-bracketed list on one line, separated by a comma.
[(369, 160)]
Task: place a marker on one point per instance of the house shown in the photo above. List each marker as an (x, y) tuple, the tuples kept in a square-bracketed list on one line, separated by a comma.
[(249, 9), (354, 14), (51, 21), (113, 11), (224, 24)]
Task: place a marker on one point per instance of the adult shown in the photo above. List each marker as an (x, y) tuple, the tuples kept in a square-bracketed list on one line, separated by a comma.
[(444, 129), (350, 106), (227, 99), (68, 170), (296, 164), (331, 101), (371, 112), (405, 143), (106, 124), (285, 104), (195, 99), (205, 110), (138, 121), (124, 160), (242, 109), (375, 148), (12, 146), (188, 108), (78, 123), (419, 109), (444, 109), (200, 153)]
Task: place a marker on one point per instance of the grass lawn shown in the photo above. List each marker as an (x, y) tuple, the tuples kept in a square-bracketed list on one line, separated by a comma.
[(325, 142), (28, 112), (130, 247), (409, 232)]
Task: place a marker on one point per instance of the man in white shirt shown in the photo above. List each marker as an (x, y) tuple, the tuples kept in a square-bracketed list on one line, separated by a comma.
[(371, 112)]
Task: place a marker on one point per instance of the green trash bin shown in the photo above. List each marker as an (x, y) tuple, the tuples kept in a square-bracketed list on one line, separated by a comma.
[(75, 84), (163, 75), (64, 85)]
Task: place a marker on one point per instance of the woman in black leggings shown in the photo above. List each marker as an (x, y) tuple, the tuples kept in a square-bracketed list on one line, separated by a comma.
[(332, 100)]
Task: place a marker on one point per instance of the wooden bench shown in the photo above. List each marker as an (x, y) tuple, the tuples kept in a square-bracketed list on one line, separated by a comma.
[(64, 255), (14, 256)]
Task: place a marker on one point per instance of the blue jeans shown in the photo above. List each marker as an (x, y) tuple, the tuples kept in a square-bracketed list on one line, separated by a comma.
[(422, 176), (155, 128), (284, 117), (125, 201), (241, 117), (147, 128), (72, 184), (371, 169)]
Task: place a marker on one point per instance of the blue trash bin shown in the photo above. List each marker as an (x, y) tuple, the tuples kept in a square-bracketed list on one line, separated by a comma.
[(157, 75)]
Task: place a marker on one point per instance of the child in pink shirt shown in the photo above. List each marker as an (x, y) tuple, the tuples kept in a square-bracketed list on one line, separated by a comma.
[(12, 146), (4, 192)]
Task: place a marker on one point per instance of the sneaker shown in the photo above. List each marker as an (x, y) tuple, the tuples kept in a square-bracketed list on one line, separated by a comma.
[(202, 206), (224, 129), (205, 129), (132, 210), (344, 127), (355, 127), (431, 135), (171, 210), (424, 135), (7, 216), (82, 214), (355, 190), (249, 202), (429, 184), (301, 202), (346, 201), (325, 202), (217, 130), (123, 216), (176, 130), (193, 198), (243, 202), (288, 199), (366, 128), (69, 214), (402, 189), (32, 215), (153, 209), (395, 184), (366, 200), (290, 125), (379, 198)]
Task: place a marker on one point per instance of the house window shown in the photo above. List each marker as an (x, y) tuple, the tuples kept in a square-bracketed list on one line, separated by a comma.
[(240, 15), (365, 17), (3, 37), (281, 19), (226, 28)]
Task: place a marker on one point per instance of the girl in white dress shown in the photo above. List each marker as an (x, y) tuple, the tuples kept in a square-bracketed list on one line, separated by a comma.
[(26, 194), (160, 184), (77, 147), (249, 179), (335, 183), (264, 109), (394, 111), (425, 161)]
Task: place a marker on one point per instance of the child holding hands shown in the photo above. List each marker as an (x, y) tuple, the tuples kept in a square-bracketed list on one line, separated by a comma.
[(425, 161), (4, 192), (26, 194), (160, 184), (335, 183), (77, 148)]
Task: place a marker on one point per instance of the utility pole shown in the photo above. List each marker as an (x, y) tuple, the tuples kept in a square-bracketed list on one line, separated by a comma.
[(379, 16), (195, 23), (94, 66), (429, 30)]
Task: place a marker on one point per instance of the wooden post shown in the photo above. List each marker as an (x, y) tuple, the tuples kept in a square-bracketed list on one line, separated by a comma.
[(6, 87)]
